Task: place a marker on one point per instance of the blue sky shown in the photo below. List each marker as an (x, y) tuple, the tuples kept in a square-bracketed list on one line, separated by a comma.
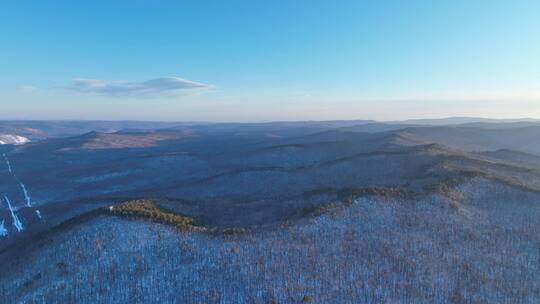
[(269, 60)]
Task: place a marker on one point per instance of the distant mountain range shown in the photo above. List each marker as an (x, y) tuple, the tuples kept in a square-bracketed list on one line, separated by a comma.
[(40, 129), (463, 120)]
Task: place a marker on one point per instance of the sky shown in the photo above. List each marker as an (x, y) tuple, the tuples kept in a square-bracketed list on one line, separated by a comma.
[(269, 60)]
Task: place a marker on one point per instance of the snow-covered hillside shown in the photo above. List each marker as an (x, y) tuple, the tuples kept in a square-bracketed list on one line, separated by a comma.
[(10, 139)]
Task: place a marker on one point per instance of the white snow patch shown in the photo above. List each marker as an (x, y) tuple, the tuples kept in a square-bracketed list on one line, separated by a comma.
[(8, 164), (26, 196), (16, 222), (10, 139), (3, 230)]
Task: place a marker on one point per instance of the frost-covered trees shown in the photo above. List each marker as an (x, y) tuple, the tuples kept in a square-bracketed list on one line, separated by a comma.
[(377, 250)]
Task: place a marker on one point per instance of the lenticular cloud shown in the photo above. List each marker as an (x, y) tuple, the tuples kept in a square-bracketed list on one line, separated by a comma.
[(150, 87)]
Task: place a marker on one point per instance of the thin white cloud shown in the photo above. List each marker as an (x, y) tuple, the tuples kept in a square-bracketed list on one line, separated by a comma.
[(152, 87), (26, 88)]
